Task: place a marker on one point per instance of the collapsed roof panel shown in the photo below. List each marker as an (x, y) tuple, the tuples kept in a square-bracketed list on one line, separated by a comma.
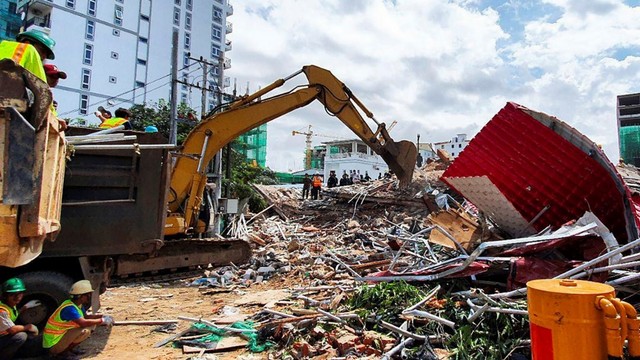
[(527, 170)]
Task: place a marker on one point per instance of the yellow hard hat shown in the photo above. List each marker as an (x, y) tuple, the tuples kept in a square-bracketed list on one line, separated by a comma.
[(81, 287)]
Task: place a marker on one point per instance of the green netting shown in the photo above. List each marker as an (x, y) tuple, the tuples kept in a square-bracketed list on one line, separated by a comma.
[(216, 334), (286, 178), (630, 144), (254, 145)]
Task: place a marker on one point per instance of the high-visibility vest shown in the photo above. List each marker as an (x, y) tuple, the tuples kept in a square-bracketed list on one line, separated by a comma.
[(24, 55), (13, 315), (317, 181), (113, 122), (56, 327)]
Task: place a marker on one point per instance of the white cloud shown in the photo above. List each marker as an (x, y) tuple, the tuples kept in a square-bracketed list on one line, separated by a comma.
[(440, 68)]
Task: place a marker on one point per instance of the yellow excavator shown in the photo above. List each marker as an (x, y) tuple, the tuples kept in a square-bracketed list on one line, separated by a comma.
[(188, 178), (127, 211)]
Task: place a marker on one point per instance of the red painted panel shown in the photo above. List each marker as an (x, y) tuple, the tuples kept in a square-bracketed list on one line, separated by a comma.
[(533, 166)]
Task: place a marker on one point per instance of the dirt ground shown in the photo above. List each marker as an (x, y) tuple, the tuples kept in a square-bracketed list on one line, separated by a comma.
[(160, 301)]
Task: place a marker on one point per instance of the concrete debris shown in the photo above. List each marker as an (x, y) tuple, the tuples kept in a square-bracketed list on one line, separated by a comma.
[(347, 263)]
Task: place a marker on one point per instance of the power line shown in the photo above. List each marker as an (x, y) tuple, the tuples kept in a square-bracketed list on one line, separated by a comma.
[(129, 91)]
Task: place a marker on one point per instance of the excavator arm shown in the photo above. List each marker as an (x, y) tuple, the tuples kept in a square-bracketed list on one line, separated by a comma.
[(213, 133)]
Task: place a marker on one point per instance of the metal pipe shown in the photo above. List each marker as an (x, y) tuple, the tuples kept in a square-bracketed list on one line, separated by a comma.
[(403, 344), (606, 256), (106, 131), (124, 147), (207, 135), (430, 316), (405, 333)]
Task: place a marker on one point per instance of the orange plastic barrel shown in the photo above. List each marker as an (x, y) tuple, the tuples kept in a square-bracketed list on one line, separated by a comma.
[(564, 321)]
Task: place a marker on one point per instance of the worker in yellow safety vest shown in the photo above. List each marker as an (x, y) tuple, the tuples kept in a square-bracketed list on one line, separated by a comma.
[(70, 324), (121, 118), (29, 50), (15, 339)]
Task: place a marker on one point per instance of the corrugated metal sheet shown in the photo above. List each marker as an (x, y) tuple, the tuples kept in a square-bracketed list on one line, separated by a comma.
[(537, 161)]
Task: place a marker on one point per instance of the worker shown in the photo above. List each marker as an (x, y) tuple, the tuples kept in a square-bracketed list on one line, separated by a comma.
[(21, 340), (121, 118), (53, 77), (346, 180), (29, 50), (333, 180), (151, 129), (103, 114), (70, 324), (306, 186), (316, 186)]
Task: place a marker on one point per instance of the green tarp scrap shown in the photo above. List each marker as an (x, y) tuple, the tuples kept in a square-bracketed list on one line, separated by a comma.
[(214, 335)]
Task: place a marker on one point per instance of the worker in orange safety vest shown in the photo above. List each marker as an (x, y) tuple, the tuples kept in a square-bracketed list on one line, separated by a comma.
[(121, 118), (316, 186), (29, 50)]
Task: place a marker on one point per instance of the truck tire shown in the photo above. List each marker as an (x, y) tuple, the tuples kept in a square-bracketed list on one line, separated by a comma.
[(51, 288)]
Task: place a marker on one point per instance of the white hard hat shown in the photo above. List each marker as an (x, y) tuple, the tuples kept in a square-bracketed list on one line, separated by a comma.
[(81, 287)]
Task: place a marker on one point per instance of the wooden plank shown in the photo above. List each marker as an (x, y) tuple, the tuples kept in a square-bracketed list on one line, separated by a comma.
[(226, 344)]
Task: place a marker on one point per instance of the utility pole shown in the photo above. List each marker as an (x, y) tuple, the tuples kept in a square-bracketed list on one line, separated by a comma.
[(173, 126), (203, 110)]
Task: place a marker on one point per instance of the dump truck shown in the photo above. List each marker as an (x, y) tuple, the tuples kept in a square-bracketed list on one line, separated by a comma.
[(140, 208)]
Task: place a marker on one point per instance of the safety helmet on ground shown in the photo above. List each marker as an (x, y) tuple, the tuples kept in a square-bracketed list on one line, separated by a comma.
[(41, 37), (81, 287), (13, 285), (151, 129)]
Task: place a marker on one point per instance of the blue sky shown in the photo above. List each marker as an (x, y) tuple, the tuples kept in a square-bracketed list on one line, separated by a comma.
[(442, 67)]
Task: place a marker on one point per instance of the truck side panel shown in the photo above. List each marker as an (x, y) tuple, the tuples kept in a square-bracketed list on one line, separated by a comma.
[(114, 202)]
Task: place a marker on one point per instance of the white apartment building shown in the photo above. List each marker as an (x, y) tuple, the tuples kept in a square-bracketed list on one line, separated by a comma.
[(454, 146), (117, 53), (346, 156)]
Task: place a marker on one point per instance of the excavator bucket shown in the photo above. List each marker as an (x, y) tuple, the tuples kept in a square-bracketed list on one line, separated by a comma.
[(401, 158)]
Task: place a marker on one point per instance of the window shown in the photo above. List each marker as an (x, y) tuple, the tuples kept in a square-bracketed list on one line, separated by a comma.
[(143, 40), (88, 54), (139, 84), (217, 13), (84, 104), (113, 79), (459, 145), (453, 154), (116, 32), (183, 98), (215, 51), (90, 31), (86, 79), (117, 15), (185, 80), (120, 1), (187, 41), (142, 62), (92, 7), (189, 4), (177, 2), (176, 16), (452, 146), (187, 21), (216, 32), (185, 59), (144, 17), (13, 7), (114, 55), (70, 4)]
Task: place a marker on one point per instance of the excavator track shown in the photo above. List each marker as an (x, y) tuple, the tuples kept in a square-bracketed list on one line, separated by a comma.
[(179, 259)]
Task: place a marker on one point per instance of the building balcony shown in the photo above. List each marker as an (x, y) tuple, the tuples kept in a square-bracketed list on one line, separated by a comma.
[(229, 28), (227, 46), (229, 10), (39, 21), (227, 63)]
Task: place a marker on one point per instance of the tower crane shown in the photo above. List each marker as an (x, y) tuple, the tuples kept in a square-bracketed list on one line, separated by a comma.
[(308, 146)]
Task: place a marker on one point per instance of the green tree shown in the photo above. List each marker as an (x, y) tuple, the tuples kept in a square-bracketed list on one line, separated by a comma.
[(243, 174), (159, 115)]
